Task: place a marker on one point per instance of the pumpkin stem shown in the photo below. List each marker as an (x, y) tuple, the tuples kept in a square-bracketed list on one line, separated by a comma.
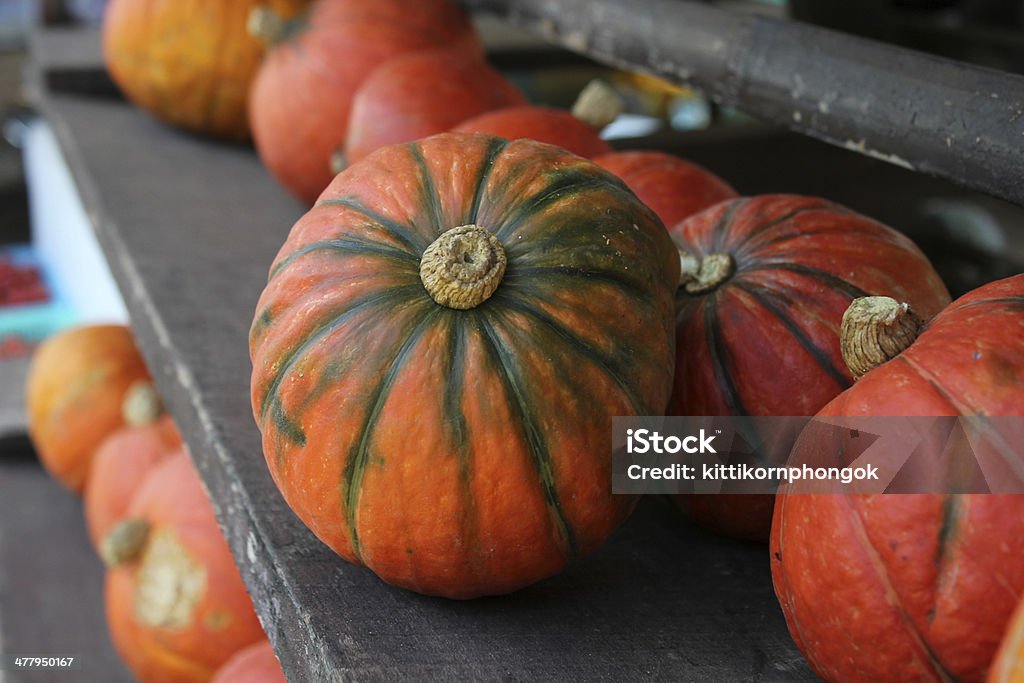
[(463, 267), (598, 104), (338, 161), (124, 543), (698, 276), (141, 404), (266, 25), (876, 329)]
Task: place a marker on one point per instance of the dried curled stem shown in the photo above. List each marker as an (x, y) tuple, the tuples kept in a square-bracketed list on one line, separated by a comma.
[(699, 275), (876, 329), (463, 267)]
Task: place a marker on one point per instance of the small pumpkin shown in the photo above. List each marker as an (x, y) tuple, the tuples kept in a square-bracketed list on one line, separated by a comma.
[(1008, 666), (176, 606), (448, 333), (188, 62), (911, 587), (419, 94), (673, 187), (765, 282), (75, 389), (125, 457), (577, 131), (256, 663), (302, 95)]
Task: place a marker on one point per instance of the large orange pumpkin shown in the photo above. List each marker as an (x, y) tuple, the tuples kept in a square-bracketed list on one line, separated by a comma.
[(188, 62), (1008, 666), (912, 587), (254, 664), (124, 459), (176, 606), (303, 93), (448, 333), (765, 285), (75, 392)]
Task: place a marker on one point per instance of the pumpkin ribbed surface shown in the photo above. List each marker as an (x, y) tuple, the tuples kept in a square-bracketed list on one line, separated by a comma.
[(462, 452), (913, 587), (766, 282), (188, 62)]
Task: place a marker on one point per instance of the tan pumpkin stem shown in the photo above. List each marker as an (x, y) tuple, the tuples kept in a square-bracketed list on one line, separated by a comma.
[(463, 267), (598, 104), (266, 25), (141, 404), (124, 543), (700, 275), (876, 329)]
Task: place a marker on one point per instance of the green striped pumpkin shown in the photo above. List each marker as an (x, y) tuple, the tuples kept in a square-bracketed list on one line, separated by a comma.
[(441, 346)]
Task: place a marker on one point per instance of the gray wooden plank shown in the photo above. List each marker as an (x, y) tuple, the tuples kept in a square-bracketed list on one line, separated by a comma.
[(189, 227), (51, 581)]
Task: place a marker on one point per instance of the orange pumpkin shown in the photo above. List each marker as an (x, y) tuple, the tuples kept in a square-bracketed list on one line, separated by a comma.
[(303, 93), (421, 94), (123, 460), (254, 664), (439, 352), (75, 389), (176, 605), (187, 62), (1008, 666)]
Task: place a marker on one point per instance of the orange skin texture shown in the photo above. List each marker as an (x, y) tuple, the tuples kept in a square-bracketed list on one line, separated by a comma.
[(254, 664), (222, 621), (1009, 663), (408, 404), (544, 124), (188, 62), (913, 587), (674, 188), (421, 94), (302, 95), (773, 371), (74, 391), (118, 469)]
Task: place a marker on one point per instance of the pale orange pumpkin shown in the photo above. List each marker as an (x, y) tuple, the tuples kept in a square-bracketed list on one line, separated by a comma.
[(188, 62)]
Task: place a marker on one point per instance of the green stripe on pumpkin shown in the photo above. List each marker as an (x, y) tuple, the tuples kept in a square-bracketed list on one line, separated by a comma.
[(494, 149), (428, 194), (519, 403), (352, 477), (720, 359), (344, 247), (416, 243)]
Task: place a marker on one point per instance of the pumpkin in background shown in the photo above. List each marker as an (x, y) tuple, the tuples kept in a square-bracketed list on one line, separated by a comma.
[(176, 606), (124, 459), (674, 188), (577, 131), (253, 664), (911, 587), (1008, 666), (765, 283), (75, 390), (420, 94), (302, 95), (187, 62), (448, 333)]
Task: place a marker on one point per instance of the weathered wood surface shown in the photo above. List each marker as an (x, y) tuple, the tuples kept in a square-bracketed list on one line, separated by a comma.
[(918, 111), (51, 581), (189, 227)]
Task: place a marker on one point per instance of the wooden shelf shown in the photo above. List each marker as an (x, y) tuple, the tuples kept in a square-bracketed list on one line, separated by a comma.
[(189, 228)]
